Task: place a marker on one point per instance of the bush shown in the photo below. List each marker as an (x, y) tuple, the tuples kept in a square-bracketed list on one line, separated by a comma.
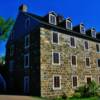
[(64, 96), (88, 90), (77, 95)]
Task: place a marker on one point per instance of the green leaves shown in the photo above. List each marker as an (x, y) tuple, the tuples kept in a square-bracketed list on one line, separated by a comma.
[(5, 26)]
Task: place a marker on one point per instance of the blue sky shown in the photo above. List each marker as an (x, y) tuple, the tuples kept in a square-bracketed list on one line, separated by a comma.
[(86, 11)]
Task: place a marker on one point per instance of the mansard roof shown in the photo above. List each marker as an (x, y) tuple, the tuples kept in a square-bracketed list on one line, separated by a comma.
[(44, 23)]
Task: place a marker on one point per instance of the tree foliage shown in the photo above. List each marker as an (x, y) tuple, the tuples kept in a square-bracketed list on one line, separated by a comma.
[(5, 27)]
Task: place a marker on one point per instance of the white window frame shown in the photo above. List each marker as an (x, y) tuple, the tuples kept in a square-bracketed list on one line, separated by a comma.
[(77, 81), (89, 62), (88, 45), (97, 62), (67, 24), (86, 76), (28, 60), (99, 47), (53, 59), (98, 79), (57, 88), (74, 41), (92, 32), (10, 65), (27, 36), (76, 61), (11, 50), (81, 28), (27, 77), (50, 19), (52, 37)]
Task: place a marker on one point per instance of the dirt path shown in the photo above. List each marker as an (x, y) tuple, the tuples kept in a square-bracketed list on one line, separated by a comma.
[(10, 97)]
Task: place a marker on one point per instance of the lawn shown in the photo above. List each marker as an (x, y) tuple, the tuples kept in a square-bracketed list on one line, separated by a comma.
[(92, 98)]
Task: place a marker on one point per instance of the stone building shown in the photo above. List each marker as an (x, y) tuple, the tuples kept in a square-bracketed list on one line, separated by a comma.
[(47, 56)]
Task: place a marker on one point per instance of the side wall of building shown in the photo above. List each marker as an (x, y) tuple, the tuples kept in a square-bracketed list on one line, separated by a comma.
[(65, 70)]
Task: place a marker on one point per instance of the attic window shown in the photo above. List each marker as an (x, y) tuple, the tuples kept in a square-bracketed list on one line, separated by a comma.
[(93, 32), (52, 19), (82, 29), (68, 24), (27, 24)]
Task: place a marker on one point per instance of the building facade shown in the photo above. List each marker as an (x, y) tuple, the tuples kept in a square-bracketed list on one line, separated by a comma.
[(47, 56)]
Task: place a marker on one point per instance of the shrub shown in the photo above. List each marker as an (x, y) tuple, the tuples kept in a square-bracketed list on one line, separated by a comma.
[(64, 96), (77, 95), (88, 90)]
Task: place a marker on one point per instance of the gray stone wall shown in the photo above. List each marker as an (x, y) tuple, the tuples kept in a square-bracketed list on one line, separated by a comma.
[(65, 70)]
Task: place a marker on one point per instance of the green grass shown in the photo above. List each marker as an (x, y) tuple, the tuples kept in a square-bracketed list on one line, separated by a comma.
[(91, 98)]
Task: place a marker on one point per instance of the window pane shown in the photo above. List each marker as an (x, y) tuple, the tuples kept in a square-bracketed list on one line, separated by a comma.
[(98, 62), (86, 45), (56, 82), (26, 41), (88, 80), (52, 19), (74, 81), (26, 62), (55, 38), (97, 47), (82, 29), (73, 60), (72, 41), (87, 62), (69, 26), (56, 57)]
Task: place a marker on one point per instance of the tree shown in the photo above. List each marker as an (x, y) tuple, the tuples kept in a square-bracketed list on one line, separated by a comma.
[(5, 27)]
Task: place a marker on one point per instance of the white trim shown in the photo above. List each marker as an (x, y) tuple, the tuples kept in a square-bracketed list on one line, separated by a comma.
[(53, 58), (76, 61), (50, 19), (86, 76), (92, 32), (74, 42), (57, 88), (27, 46), (72, 81), (98, 79), (67, 24), (54, 32), (28, 19), (96, 47), (88, 45), (25, 84), (81, 28), (97, 62), (28, 60), (89, 63)]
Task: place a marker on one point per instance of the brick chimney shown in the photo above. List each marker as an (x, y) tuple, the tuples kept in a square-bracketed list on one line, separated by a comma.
[(23, 8)]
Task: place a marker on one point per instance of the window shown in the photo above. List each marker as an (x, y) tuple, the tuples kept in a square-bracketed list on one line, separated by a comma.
[(87, 62), (86, 45), (27, 41), (74, 60), (93, 33), (52, 19), (11, 50), (74, 81), (26, 60), (56, 58), (27, 24), (26, 84), (68, 24), (88, 80), (98, 48), (57, 82), (72, 42), (82, 29), (11, 65), (98, 62), (55, 38)]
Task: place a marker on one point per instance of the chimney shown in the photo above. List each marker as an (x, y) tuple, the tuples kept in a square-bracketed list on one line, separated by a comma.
[(23, 8)]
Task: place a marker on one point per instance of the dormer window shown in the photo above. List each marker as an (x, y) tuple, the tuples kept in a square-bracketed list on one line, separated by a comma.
[(68, 24), (93, 32), (82, 29), (52, 19)]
